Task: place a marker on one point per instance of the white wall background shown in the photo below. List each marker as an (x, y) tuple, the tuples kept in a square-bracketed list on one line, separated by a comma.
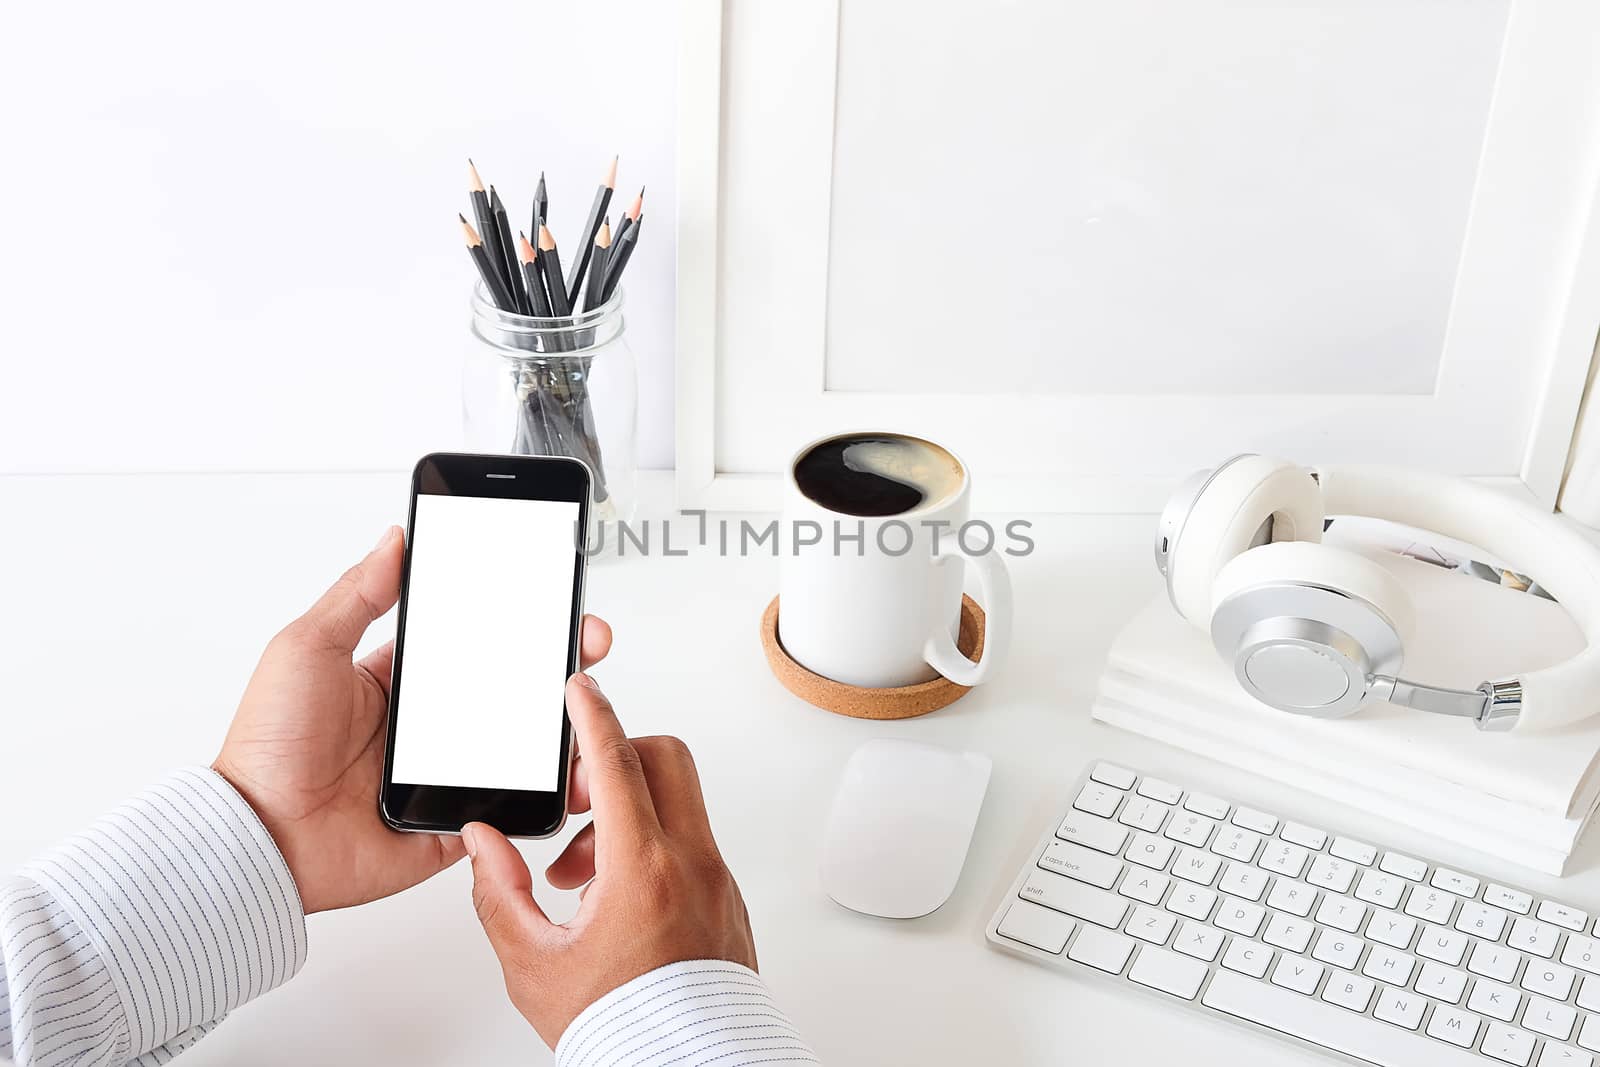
[(229, 237)]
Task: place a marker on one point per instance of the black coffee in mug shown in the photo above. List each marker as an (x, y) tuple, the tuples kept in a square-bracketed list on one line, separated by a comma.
[(874, 475)]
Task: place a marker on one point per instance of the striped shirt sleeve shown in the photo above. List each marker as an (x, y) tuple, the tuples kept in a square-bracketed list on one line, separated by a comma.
[(128, 942), (685, 1014)]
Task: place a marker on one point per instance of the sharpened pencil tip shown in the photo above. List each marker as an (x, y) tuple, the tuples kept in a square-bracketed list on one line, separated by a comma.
[(610, 181), (546, 241), (476, 183), (472, 235), (524, 249), (602, 239)]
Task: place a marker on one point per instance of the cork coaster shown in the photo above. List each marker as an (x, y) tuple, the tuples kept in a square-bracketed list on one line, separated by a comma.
[(899, 702)]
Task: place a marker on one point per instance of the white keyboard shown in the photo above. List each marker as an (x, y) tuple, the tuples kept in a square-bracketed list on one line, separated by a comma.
[(1338, 943)]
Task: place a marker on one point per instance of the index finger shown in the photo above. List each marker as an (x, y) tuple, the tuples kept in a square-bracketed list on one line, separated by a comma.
[(618, 793)]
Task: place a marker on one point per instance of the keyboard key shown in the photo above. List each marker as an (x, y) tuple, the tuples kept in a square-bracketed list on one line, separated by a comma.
[(1551, 979), (1536, 937), (1494, 961), (1589, 995), (1553, 1055), (1582, 953), (1549, 1018), (1462, 885), (1074, 898), (1156, 789), (1391, 929), (1354, 851), (1236, 844), (1399, 1007), (1168, 972), (1282, 857), (1510, 899), (1148, 924), (1589, 1036), (1494, 1000), (1102, 835), (1144, 814), (1112, 775), (1248, 957), (1326, 1025), (1508, 1044), (1209, 806), (1563, 915), (1251, 819), (1445, 946), (1240, 916), (1290, 896), (1402, 866), (1297, 973), (1392, 967), (1431, 905), (1086, 865), (1287, 932), (1339, 948), (1303, 835), (1149, 851), (1102, 949), (1481, 920), (1197, 940), (1380, 889), (1341, 913), (1243, 881), (1194, 902), (1144, 886), (1442, 983), (1348, 991), (1453, 1025), (1036, 926), (1190, 829), (1331, 873), (1097, 799), (1192, 865)]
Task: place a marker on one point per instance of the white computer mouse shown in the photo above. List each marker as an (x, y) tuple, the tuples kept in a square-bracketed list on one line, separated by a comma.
[(900, 825)]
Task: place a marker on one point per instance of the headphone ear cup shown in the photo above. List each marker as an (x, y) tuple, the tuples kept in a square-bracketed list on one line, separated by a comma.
[(1306, 625), (1225, 518)]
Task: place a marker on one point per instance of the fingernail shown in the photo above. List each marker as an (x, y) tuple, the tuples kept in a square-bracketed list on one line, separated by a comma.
[(586, 681), (469, 837), (388, 535)]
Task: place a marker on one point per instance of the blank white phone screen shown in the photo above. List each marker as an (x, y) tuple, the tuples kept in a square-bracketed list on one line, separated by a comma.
[(484, 661)]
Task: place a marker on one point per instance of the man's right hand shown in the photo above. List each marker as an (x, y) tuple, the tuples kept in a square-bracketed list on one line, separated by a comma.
[(660, 892)]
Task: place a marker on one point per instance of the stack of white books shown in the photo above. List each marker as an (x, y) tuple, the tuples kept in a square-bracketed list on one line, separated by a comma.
[(1523, 797)]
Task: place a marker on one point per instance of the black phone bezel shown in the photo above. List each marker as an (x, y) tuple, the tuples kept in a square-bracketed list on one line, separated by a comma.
[(444, 809)]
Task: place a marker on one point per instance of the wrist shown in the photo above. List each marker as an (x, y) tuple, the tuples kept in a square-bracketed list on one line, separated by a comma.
[(277, 830)]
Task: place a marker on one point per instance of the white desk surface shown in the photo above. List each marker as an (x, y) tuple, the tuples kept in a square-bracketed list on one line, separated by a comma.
[(134, 608)]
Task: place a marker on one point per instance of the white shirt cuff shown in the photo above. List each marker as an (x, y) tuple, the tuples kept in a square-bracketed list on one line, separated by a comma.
[(186, 899), (693, 1012)]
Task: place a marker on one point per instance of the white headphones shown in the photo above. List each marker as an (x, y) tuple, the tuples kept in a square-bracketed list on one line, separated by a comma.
[(1317, 630)]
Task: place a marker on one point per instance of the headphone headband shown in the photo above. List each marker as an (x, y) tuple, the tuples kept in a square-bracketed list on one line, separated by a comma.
[(1520, 534)]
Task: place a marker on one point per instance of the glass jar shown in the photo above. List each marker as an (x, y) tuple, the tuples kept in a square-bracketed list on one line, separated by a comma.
[(556, 387)]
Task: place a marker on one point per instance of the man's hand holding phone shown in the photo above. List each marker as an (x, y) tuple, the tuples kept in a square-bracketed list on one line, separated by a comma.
[(660, 891), (306, 746)]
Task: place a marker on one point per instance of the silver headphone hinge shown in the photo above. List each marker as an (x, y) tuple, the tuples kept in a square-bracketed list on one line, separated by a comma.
[(1492, 706), (1502, 704)]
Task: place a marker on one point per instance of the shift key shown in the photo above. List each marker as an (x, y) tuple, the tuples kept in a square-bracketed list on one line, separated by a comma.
[(1074, 898), (1075, 861)]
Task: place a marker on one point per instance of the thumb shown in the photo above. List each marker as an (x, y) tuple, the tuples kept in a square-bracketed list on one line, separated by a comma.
[(365, 592), (502, 894)]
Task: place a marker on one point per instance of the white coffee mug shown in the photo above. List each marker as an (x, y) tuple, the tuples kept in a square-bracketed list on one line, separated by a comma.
[(876, 601)]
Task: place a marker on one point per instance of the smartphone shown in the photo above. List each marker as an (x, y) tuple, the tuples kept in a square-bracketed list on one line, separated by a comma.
[(491, 603)]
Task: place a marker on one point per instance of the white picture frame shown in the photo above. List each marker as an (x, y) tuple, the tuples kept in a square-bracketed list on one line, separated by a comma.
[(1521, 327)]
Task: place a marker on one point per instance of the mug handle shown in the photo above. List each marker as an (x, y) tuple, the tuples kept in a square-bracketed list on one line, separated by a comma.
[(940, 650)]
